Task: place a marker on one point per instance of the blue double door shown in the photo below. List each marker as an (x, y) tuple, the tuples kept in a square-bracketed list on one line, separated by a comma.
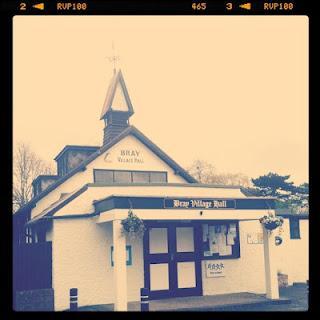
[(172, 262)]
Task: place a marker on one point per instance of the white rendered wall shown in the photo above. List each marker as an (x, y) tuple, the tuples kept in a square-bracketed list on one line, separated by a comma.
[(81, 259), (245, 274), (293, 254)]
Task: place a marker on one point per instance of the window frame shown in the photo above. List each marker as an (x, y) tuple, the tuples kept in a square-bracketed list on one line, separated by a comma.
[(131, 176), (165, 174), (122, 171), (294, 233), (143, 172), (29, 235), (97, 170), (128, 250)]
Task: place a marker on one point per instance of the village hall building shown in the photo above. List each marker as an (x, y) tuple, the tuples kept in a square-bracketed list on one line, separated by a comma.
[(199, 240)]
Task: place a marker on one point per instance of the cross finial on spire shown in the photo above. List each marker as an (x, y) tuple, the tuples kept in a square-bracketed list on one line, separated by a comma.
[(113, 59)]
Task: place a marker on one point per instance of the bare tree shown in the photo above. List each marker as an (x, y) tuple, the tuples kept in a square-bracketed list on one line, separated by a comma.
[(202, 171), (26, 167), (236, 179), (205, 172)]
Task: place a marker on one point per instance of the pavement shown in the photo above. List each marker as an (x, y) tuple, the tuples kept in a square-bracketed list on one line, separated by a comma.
[(292, 298), (298, 295)]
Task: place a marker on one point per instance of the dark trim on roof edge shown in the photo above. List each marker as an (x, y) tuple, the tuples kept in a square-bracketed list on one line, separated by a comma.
[(180, 197), (74, 216), (50, 176), (62, 204), (67, 200), (293, 215), (140, 202), (70, 146), (69, 216), (163, 156)]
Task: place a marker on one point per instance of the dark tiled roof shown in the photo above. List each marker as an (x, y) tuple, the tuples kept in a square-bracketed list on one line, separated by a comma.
[(55, 177), (117, 78), (286, 213), (76, 147)]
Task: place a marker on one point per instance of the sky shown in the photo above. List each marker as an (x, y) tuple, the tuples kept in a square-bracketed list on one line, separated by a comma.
[(229, 90)]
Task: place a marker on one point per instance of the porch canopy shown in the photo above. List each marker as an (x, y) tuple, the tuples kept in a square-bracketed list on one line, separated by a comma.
[(182, 208)]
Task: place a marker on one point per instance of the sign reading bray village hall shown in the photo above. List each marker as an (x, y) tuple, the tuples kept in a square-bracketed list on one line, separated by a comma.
[(125, 156), (199, 204)]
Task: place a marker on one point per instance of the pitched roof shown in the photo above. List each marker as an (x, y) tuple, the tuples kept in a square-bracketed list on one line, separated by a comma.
[(130, 130), (64, 199), (116, 81)]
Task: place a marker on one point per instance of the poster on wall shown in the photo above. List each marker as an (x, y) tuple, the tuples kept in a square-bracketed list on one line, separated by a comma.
[(255, 238), (219, 239), (215, 269)]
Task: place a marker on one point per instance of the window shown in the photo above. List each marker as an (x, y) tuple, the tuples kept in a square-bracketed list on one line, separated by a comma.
[(103, 176), (220, 240), (140, 176), (158, 177), (28, 235), (128, 256), (122, 176), (294, 228)]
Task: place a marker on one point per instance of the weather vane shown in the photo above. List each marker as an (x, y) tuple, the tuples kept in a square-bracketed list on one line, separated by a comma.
[(113, 59)]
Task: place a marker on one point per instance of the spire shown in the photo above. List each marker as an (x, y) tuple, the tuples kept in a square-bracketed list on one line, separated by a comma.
[(117, 98), (117, 108)]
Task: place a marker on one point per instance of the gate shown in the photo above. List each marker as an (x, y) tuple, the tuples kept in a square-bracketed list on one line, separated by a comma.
[(32, 267)]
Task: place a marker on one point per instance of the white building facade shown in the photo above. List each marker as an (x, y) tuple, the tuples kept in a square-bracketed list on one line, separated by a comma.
[(199, 239)]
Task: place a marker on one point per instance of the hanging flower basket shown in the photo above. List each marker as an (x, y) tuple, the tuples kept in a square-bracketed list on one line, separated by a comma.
[(271, 222), (133, 226)]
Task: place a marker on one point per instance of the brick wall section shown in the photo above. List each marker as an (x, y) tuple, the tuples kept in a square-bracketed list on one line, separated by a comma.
[(35, 300)]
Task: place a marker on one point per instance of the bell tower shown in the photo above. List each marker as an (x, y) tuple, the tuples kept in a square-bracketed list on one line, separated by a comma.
[(117, 108)]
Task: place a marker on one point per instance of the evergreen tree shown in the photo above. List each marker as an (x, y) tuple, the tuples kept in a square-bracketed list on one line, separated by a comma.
[(296, 198), (274, 185)]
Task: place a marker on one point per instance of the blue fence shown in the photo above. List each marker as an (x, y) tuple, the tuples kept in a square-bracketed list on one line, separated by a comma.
[(32, 267)]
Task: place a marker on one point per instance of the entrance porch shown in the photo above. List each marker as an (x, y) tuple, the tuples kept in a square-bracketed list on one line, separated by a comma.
[(173, 257)]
